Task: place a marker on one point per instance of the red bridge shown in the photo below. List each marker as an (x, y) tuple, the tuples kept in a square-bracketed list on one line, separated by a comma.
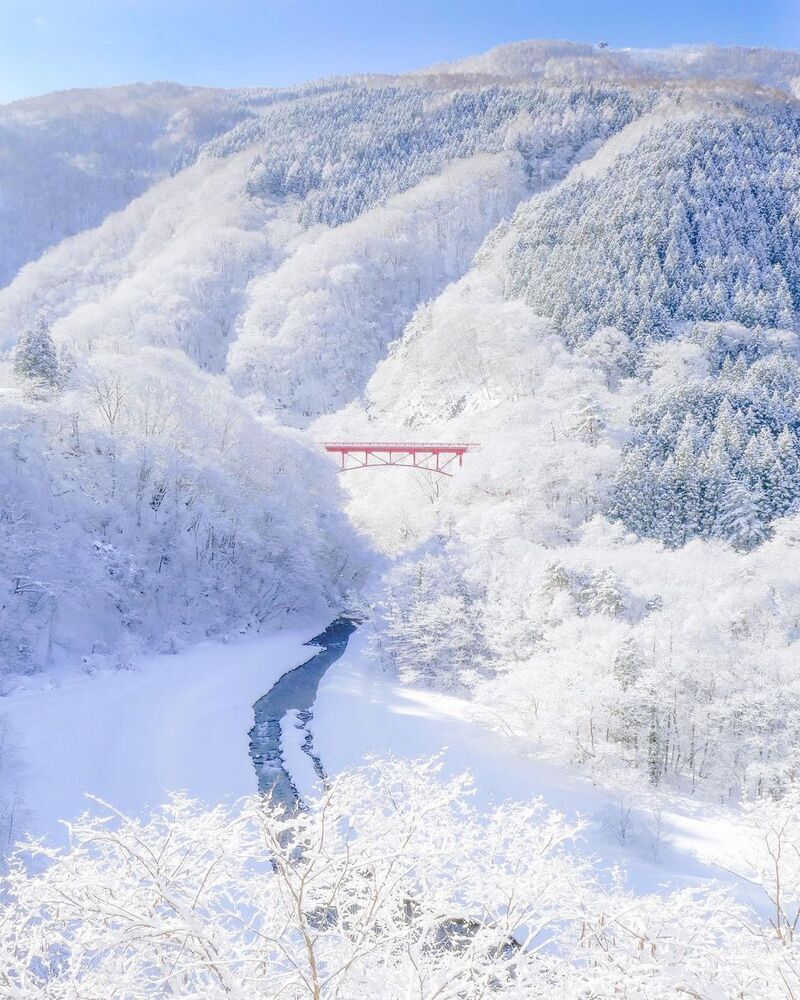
[(408, 455)]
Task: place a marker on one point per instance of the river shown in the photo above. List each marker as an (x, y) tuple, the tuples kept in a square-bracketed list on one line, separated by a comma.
[(297, 690)]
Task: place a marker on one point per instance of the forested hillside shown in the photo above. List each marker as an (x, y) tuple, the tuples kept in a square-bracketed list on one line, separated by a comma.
[(612, 571), (697, 222), (630, 314), (282, 257), (144, 505), (70, 159)]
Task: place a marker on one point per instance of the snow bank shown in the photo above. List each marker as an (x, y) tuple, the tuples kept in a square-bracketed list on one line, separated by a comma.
[(177, 723), (296, 761), (361, 711)]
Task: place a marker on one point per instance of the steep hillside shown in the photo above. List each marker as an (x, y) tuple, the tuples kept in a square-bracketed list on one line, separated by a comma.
[(623, 345), (170, 270), (189, 264), (315, 328), (584, 262), (69, 159), (625, 351), (699, 221), (144, 506), (147, 504)]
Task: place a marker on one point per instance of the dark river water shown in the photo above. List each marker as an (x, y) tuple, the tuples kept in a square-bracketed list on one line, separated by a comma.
[(296, 689)]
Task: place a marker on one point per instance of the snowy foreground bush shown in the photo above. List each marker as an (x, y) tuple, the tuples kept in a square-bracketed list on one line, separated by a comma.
[(390, 885)]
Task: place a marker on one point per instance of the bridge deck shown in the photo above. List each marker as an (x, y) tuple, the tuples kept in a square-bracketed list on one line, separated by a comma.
[(428, 456), (395, 446)]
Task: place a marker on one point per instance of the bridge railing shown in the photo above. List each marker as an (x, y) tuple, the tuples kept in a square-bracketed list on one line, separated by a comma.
[(398, 445)]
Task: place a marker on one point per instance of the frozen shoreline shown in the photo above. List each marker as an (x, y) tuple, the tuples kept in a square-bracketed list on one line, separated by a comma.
[(361, 711), (176, 723), (182, 722)]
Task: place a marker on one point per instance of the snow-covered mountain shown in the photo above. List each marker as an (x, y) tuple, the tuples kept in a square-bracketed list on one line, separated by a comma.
[(575, 61), (585, 258), (70, 159), (586, 261), (625, 349)]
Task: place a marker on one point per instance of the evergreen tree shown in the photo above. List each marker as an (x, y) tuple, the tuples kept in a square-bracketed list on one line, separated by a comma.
[(715, 475), (604, 594), (741, 517), (693, 440), (628, 662), (788, 488), (589, 421), (35, 360), (634, 493)]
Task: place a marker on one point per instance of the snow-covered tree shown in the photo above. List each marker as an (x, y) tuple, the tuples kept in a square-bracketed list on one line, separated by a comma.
[(35, 358), (773, 858), (681, 227), (427, 626), (147, 501), (360, 895), (389, 885), (740, 520), (588, 421), (703, 440)]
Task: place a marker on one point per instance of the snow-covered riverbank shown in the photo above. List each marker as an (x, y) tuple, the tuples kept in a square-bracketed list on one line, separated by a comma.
[(361, 711), (131, 737), (181, 723)]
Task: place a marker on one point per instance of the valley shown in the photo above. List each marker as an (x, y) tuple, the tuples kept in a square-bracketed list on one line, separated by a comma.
[(555, 696)]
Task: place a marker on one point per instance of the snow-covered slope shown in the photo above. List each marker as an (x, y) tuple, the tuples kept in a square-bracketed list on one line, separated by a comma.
[(170, 270), (144, 505), (188, 264), (69, 159), (601, 352), (585, 260), (698, 221), (576, 61), (315, 328)]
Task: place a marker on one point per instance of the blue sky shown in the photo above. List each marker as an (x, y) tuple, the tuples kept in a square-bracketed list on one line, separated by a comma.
[(55, 44)]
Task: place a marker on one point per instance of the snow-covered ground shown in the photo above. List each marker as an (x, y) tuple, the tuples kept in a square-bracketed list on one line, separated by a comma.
[(176, 723), (181, 723), (362, 711)]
